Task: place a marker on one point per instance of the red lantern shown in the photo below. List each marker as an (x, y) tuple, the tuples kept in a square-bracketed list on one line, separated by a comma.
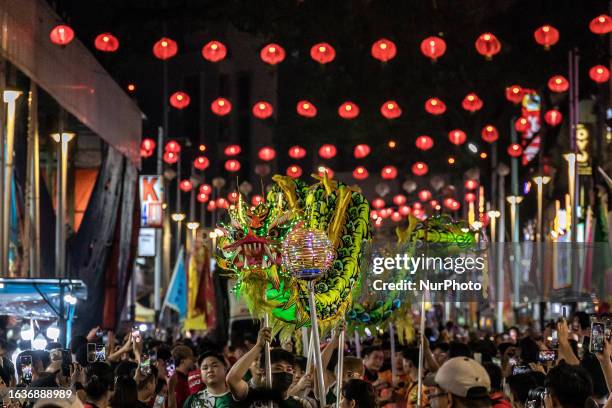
[(306, 109), (470, 184), (424, 195), (323, 53), (514, 94), (472, 103), (470, 197), (222, 203), (360, 173), (378, 203), (348, 110), (435, 106), (522, 125), (384, 50), (417, 206), (232, 150), (388, 172), (373, 214), (433, 47), (180, 100), (327, 151), (201, 197), (165, 48), (173, 146), (457, 137), (489, 134), (146, 153), (266, 153), (170, 157), (185, 186), (262, 110), (201, 163), (148, 145), (256, 200), (488, 45), (601, 25), (106, 42), (206, 189), (515, 150), (212, 206), (233, 197), (599, 74), (232, 165), (399, 199), (404, 210), (424, 142), (546, 36), (396, 216), (558, 83), (297, 152), (294, 171), (61, 35), (221, 107), (434, 204), (361, 151), (391, 110), (323, 170), (451, 204), (214, 51), (553, 117), (272, 54), (419, 169)]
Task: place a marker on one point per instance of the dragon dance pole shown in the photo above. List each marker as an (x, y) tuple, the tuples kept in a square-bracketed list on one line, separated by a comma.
[(339, 367), (316, 343), (421, 350), (393, 358), (357, 344), (267, 359)]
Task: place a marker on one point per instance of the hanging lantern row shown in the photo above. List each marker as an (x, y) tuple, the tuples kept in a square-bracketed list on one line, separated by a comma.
[(472, 103), (147, 147), (515, 94), (546, 36)]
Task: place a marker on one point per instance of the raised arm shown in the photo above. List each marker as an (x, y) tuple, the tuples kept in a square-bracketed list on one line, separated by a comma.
[(606, 363), (238, 387), (565, 350)]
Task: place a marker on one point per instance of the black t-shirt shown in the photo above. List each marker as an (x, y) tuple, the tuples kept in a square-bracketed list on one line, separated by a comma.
[(7, 370)]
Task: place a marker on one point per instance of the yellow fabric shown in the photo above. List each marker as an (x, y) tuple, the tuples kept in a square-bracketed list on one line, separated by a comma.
[(195, 319)]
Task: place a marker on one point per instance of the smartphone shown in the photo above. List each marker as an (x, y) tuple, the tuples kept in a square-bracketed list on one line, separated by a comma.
[(145, 365), (100, 333), (547, 355), (554, 341), (520, 370), (91, 352), (170, 367), (136, 335), (513, 361), (66, 362), (159, 401), (564, 312), (100, 352), (26, 369), (598, 330)]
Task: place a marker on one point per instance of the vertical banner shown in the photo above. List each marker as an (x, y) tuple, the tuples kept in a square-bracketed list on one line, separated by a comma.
[(151, 199)]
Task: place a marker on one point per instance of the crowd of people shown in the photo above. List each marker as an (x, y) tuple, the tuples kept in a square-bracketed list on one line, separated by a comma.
[(522, 368)]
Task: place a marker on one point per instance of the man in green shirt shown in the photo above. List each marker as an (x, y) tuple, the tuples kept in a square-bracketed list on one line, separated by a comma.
[(213, 368)]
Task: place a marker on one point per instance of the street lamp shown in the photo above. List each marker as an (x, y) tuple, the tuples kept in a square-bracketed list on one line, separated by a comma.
[(540, 181), (60, 225), (10, 98), (178, 218), (493, 215), (514, 201)]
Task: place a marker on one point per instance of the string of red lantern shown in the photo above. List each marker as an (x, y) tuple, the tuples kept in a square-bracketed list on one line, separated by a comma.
[(232, 165), (361, 150), (558, 84), (173, 146), (267, 153), (514, 94), (388, 172), (553, 117), (232, 150), (515, 150), (489, 134), (360, 173), (206, 189), (424, 142), (522, 125), (185, 186), (601, 25), (457, 137), (294, 171), (419, 169), (599, 74), (221, 107), (327, 151), (262, 110), (297, 152), (472, 103), (435, 106), (201, 163)]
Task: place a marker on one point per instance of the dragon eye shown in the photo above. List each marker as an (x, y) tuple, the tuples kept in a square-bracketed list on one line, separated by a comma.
[(274, 233), (239, 234)]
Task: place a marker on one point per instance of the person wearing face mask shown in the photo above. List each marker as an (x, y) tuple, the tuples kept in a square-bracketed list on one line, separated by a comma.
[(213, 368), (282, 377)]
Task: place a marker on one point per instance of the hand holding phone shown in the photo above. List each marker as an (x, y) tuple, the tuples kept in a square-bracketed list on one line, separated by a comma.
[(547, 355), (596, 344), (91, 352), (26, 369)]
